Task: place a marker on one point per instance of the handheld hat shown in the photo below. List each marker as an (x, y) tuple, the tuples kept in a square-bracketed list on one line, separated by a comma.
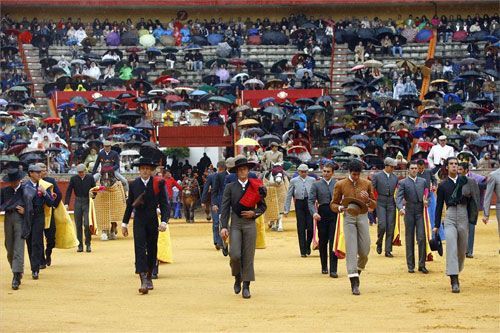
[(354, 206), (13, 175), (436, 244)]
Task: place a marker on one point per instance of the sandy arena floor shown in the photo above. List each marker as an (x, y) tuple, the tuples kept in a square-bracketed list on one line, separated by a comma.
[(98, 291)]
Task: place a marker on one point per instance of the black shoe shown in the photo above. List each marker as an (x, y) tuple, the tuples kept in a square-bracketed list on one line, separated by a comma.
[(246, 290), (149, 282), (355, 286), (225, 251), (16, 281), (423, 270), (359, 272), (34, 275), (455, 284), (303, 256), (154, 276), (411, 270), (43, 266), (49, 261), (217, 247), (144, 283), (324, 271), (237, 284), (469, 255), (379, 249), (334, 275), (80, 248), (308, 251), (88, 248), (389, 255)]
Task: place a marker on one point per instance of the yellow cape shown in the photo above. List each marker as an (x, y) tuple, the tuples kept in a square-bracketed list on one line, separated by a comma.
[(339, 239), (65, 228), (164, 246)]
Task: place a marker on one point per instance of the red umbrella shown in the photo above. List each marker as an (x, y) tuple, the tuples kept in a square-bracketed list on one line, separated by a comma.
[(16, 149), (15, 113), (298, 58), (425, 145), (237, 62), (403, 133), (296, 149), (118, 126), (162, 79), (52, 120), (11, 32), (173, 98), (134, 49)]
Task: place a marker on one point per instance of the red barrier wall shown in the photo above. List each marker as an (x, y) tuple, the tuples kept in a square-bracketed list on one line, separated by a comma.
[(254, 96), (193, 136)]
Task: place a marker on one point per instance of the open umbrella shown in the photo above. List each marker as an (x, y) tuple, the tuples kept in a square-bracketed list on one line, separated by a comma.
[(248, 122), (246, 142), (267, 139), (220, 99), (254, 82), (147, 40), (214, 39), (373, 63), (113, 39), (352, 150), (274, 38), (129, 39), (223, 50), (279, 66)]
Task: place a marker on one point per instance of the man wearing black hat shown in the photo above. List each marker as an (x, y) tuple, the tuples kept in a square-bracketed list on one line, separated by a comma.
[(11, 202), (107, 156), (242, 201), (146, 194), (35, 197)]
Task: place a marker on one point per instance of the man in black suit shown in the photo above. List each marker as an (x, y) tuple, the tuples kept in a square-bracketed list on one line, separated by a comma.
[(50, 232), (106, 157), (145, 195)]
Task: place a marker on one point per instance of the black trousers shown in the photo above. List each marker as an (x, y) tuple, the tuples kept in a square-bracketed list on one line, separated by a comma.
[(35, 241), (145, 244), (304, 226), (326, 232), (50, 238)]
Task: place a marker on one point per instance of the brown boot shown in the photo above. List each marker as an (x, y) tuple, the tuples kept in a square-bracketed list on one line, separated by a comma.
[(144, 283), (149, 281)]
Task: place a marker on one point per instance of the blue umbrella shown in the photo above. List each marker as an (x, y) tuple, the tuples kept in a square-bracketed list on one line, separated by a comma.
[(490, 38), (360, 137), (153, 50), (180, 105), (266, 100), (418, 133), (487, 138), (66, 105), (452, 97), (423, 36), (214, 39), (197, 93), (193, 47)]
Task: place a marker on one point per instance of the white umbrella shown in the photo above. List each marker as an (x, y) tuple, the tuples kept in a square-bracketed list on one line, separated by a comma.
[(147, 40), (198, 111), (373, 63), (129, 152), (253, 82), (242, 76)]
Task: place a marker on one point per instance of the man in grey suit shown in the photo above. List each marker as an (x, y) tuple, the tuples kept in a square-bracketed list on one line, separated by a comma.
[(385, 183), (299, 189), (243, 229), (410, 202), (493, 185)]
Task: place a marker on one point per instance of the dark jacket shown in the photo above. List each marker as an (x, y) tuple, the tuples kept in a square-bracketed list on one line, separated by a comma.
[(112, 158)]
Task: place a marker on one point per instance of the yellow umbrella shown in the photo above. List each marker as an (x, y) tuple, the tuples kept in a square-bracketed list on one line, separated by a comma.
[(373, 63), (248, 122), (246, 142), (353, 150), (439, 81)]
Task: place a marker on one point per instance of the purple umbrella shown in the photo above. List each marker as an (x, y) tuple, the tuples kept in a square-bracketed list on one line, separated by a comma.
[(424, 36), (113, 39), (223, 74)]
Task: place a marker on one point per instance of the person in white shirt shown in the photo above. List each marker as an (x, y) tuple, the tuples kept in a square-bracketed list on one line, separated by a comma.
[(439, 153)]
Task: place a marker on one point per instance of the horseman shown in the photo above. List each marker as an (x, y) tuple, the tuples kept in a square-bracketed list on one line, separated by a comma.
[(108, 157), (276, 183), (190, 194), (272, 157), (107, 204)]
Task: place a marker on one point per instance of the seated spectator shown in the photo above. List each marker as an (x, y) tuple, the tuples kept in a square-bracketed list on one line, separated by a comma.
[(189, 60), (170, 59), (386, 46), (359, 53), (397, 48), (198, 61)]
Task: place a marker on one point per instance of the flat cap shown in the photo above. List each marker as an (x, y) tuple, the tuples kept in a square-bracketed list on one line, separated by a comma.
[(390, 161)]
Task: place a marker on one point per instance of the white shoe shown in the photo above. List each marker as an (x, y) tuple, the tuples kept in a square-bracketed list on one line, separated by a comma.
[(280, 229), (104, 237), (112, 236)]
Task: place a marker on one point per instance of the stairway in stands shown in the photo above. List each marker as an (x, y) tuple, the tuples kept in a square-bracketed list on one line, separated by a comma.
[(267, 55)]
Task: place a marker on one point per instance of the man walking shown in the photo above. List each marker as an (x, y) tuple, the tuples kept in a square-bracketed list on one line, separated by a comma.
[(11, 202), (299, 189), (208, 190), (272, 156), (493, 186), (81, 184), (439, 153), (385, 183), (326, 219), (147, 193), (455, 190), (35, 197), (242, 201), (353, 196), (50, 232), (411, 204)]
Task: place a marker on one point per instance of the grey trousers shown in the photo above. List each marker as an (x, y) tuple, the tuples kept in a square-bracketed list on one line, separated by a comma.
[(357, 243), (414, 221), (118, 176), (386, 216), (14, 244), (82, 220), (242, 248), (456, 229)]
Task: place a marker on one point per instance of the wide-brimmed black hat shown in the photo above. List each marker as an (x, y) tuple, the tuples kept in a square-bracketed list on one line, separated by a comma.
[(241, 161), (436, 244), (13, 175), (144, 161)]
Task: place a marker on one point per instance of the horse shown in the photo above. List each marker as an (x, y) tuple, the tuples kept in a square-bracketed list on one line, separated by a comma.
[(190, 194), (276, 182)]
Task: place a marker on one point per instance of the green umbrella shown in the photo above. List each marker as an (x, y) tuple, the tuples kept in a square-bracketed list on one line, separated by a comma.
[(111, 117), (219, 99), (126, 73), (207, 88), (8, 158), (18, 88)]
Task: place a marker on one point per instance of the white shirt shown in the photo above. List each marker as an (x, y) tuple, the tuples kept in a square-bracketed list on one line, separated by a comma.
[(243, 184), (414, 179), (387, 174), (454, 179), (439, 153), (145, 181)]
